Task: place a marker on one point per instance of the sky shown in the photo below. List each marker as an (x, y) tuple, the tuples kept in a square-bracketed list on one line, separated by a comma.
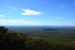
[(37, 12)]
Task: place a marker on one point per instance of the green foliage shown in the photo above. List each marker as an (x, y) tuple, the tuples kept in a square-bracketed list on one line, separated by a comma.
[(19, 41), (11, 40)]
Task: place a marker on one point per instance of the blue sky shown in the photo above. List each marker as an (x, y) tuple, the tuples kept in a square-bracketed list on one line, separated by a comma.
[(37, 12)]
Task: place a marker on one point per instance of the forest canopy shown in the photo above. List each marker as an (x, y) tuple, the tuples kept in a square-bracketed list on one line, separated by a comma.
[(18, 41)]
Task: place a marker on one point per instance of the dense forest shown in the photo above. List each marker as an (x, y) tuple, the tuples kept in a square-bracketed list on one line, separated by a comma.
[(12, 40)]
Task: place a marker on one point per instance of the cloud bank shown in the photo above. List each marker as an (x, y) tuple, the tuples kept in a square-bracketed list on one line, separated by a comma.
[(30, 12), (25, 11), (18, 22)]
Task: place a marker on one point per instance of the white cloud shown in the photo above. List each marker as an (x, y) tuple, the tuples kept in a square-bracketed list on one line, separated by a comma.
[(30, 12), (18, 22), (2, 16), (25, 11)]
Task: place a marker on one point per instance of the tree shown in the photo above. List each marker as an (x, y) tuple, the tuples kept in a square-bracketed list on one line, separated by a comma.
[(3, 29)]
